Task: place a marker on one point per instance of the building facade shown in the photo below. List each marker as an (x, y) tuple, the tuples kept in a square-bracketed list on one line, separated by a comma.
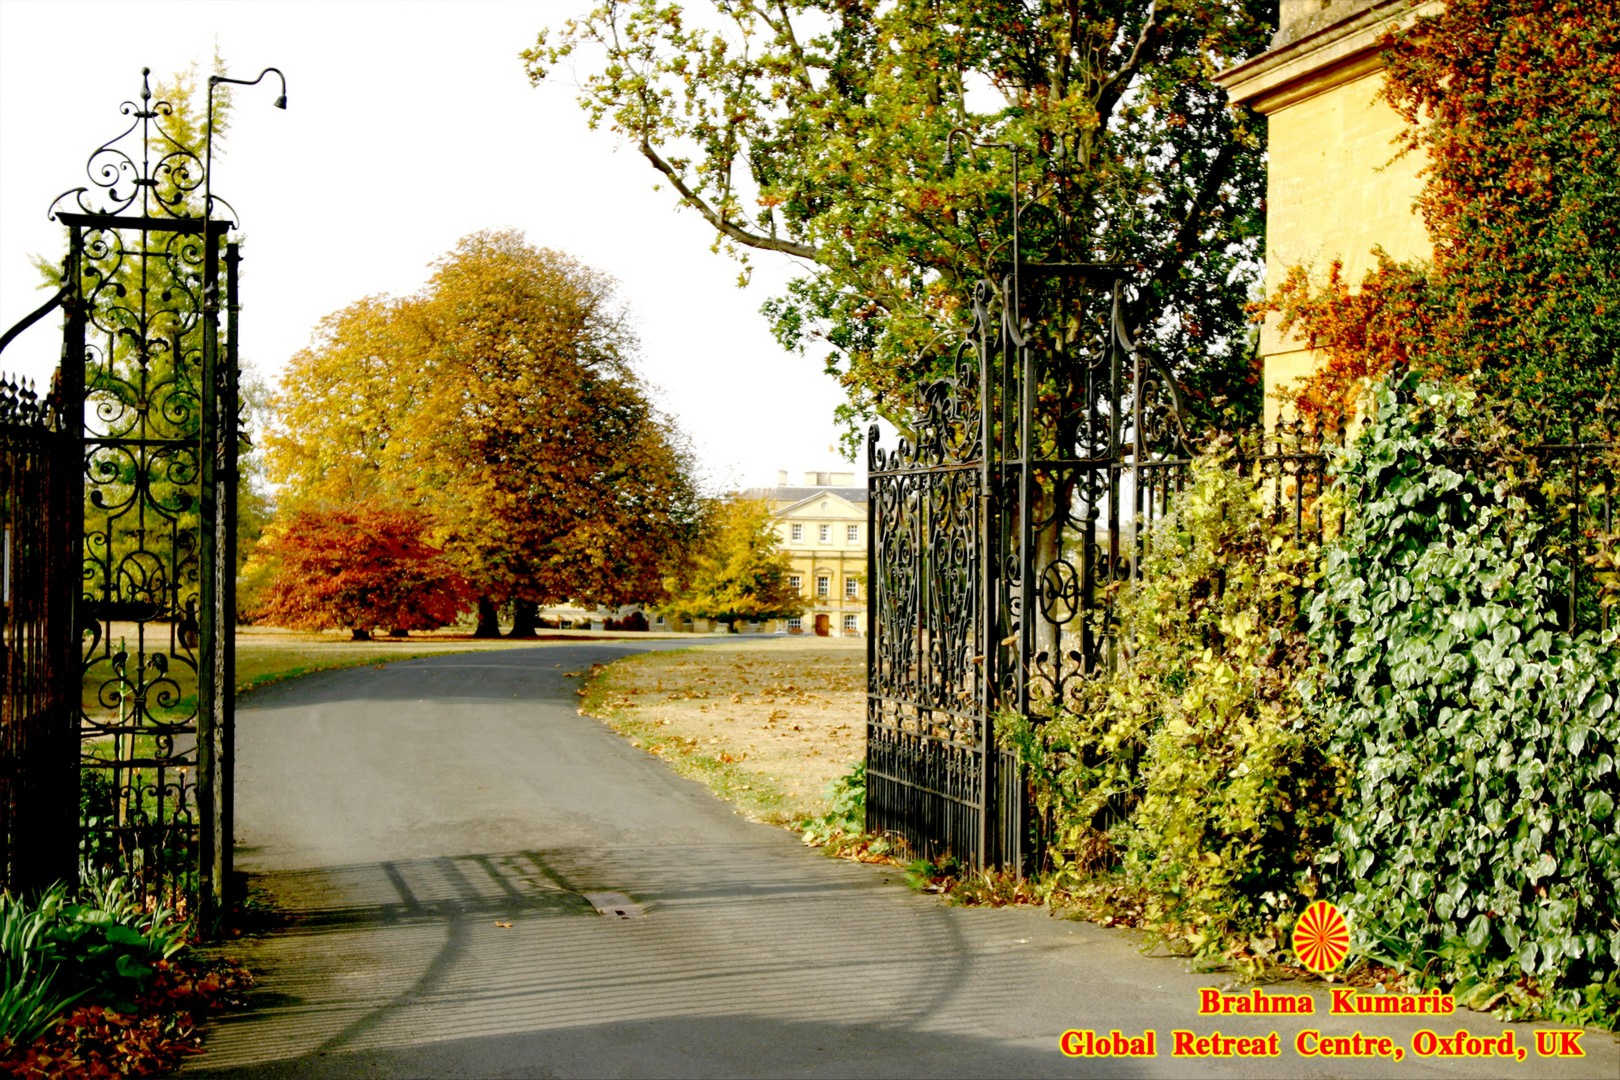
[(821, 525), (1336, 183)]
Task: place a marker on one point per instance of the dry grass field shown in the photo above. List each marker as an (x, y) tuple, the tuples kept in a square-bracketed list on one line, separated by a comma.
[(768, 724)]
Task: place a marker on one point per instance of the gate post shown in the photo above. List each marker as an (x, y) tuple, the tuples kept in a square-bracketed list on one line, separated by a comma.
[(225, 643), (64, 586), (989, 554), (211, 841)]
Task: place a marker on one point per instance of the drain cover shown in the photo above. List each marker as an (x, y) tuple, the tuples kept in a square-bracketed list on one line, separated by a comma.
[(615, 905)]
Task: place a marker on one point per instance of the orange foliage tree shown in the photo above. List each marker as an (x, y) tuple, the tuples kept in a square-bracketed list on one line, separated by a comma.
[(1512, 103), (357, 569), (501, 401)]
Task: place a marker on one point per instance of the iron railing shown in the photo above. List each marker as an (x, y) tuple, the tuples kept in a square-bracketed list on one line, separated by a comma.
[(38, 807)]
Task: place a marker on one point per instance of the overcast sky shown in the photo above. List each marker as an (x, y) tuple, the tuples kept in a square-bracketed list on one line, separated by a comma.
[(410, 123)]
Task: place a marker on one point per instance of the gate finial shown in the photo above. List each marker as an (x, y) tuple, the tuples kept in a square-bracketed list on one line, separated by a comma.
[(144, 164)]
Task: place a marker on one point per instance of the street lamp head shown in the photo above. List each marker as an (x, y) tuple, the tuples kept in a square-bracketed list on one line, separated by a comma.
[(208, 166), (949, 161), (280, 102)]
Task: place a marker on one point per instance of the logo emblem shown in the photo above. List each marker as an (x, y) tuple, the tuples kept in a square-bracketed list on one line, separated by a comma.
[(1321, 937)]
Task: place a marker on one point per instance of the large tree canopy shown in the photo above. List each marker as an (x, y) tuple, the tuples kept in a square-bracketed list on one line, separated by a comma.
[(818, 128), (500, 399)]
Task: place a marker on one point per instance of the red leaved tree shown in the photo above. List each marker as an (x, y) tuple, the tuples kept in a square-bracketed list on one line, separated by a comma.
[(357, 569)]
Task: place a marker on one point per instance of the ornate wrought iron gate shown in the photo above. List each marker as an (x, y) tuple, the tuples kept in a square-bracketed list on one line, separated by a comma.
[(147, 393), (996, 528)]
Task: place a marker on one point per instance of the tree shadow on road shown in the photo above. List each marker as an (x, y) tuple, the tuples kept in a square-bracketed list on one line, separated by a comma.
[(731, 1045)]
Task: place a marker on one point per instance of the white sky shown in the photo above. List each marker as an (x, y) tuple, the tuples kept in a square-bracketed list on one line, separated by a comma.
[(410, 123)]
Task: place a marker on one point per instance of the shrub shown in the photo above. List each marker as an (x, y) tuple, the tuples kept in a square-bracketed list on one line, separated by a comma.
[(846, 809), (1189, 770), (1512, 107), (98, 945), (354, 569), (1476, 842), (31, 998)]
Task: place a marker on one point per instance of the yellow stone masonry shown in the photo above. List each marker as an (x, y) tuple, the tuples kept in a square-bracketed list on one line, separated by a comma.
[(1335, 187)]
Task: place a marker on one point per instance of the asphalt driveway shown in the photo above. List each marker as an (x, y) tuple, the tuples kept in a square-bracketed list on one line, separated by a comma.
[(454, 845)]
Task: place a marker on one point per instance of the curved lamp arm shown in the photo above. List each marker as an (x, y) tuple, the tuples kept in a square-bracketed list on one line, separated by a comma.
[(208, 164)]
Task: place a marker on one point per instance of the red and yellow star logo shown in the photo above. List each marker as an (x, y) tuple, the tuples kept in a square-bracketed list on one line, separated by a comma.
[(1321, 937)]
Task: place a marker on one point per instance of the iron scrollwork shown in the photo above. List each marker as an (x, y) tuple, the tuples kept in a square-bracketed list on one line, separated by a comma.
[(144, 265), (1000, 524), (924, 756)]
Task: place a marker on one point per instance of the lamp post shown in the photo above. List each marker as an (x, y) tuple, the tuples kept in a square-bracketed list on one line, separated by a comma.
[(1015, 151), (216, 726), (208, 164)]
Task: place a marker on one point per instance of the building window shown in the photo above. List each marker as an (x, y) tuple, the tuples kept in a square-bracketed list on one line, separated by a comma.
[(823, 585), (852, 587), (850, 626), (796, 531), (824, 533), (853, 533), (796, 624), (795, 582)]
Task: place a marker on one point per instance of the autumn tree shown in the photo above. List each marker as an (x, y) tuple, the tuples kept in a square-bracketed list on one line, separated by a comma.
[(356, 569), (818, 130), (340, 400), (1512, 104), (501, 400), (737, 569)]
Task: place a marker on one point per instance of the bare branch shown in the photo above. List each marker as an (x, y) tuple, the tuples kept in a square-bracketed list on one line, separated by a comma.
[(1109, 93), (1187, 236), (721, 224)]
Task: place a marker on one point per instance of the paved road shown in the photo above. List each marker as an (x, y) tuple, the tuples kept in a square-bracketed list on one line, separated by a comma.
[(405, 815)]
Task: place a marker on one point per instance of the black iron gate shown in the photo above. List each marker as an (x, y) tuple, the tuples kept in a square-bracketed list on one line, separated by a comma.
[(146, 358), (37, 663), (144, 468), (996, 528)]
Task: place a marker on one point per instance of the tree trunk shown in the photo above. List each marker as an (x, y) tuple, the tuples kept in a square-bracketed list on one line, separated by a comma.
[(489, 625), (357, 634), (397, 632), (525, 618)]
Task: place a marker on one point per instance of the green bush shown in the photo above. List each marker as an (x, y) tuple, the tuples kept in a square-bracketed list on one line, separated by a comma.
[(32, 996), (1187, 773), (96, 945), (1476, 841), (846, 808)]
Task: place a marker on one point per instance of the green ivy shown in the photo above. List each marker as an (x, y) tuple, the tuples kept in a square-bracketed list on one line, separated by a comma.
[(1476, 843), (1188, 773)]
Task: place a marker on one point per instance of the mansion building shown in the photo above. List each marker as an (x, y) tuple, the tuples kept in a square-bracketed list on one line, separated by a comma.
[(821, 524)]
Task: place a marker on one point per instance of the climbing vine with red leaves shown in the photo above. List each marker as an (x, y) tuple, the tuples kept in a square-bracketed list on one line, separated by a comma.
[(1512, 103)]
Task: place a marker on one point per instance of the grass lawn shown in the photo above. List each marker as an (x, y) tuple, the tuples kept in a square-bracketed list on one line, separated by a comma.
[(267, 655), (766, 724)]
